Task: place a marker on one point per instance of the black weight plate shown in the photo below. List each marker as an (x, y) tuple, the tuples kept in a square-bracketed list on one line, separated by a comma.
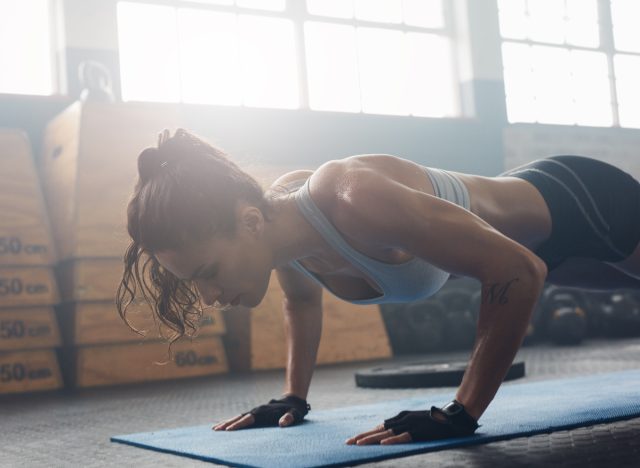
[(422, 375)]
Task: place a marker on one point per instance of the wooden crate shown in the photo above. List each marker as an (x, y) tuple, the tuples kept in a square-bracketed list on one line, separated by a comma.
[(28, 328), (89, 279), (89, 167), (116, 364), (27, 286), (87, 323), (29, 371), (255, 338), (25, 237)]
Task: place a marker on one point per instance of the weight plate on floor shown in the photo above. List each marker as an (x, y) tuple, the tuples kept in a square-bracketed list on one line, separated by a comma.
[(423, 374)]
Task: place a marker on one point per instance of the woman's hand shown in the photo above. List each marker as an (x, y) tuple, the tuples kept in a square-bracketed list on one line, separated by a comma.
[(419, 426), (287, 411), (379, 435)]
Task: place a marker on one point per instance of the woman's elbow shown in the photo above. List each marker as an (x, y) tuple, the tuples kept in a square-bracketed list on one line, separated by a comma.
[(536, 267)]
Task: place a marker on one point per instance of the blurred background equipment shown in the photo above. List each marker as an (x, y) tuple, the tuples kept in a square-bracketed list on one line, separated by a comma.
[(620, 314), (95, 80), (423, 375), (565, 317)]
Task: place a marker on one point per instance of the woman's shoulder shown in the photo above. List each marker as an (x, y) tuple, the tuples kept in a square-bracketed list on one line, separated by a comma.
[(291, 177), (343, 178)]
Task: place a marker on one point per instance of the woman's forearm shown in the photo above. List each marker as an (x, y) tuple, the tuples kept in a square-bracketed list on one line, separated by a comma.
[(505, 313), (303, 328)]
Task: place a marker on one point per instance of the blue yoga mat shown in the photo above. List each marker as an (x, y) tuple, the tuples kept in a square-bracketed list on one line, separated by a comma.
[(518, 410)]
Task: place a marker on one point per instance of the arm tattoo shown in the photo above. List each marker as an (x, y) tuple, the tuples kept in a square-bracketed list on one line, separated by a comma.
[(496, 293)]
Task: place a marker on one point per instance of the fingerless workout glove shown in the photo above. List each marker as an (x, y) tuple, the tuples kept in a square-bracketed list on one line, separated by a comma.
[(270, 414), (450, 421)]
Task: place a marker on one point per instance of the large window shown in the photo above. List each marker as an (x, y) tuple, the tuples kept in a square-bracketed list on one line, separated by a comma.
[(571, 61), (373, 56), (26, 48)]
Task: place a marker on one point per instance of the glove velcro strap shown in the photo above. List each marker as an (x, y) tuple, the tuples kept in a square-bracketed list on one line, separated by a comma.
[(459, 417)]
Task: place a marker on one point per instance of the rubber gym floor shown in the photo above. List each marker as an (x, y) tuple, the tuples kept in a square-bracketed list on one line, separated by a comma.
[(73, 429)]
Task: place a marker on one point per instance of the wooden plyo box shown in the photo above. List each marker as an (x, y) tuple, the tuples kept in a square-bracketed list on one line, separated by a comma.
[(27, 286), (89, 168), (90, 279), (28, 328), (29, 371), (256, 340), (117, 364), (25, 237), (88, 323)]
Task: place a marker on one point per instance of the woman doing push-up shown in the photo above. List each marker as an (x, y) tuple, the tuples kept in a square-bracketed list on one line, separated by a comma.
[(374, 229)]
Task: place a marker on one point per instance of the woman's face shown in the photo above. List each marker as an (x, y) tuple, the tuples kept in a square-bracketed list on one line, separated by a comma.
[(226, 270)]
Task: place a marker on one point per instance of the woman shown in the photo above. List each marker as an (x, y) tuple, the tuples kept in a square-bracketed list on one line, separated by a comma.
[(373, 229)]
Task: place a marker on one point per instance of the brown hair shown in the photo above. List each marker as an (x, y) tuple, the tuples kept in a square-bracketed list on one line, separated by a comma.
[(186, 192)]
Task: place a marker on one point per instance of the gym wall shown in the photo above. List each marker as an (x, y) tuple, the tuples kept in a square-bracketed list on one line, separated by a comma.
[(481, 141)]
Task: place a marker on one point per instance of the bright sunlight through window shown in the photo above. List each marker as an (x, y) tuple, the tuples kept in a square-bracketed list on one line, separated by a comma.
[(392, 56), (198, 56), (394, 71), (557, 69), (26, 50)]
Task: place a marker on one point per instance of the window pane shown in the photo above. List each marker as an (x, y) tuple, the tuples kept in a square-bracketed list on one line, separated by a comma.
[(423, 13), (590, 88), (572, 21), (215, 2), (625, 15), (332, 8), (332, 69), (209, 57), (546, 21), (554, 85), (627, 78), (582, 23), (514, 23), (519, 82), (272, 5), (381, 57), (384, 11), (430, 80), (148, 52), (268, 62), (25, 48)]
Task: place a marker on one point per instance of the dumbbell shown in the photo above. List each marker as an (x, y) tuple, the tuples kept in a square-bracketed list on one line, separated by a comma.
[(398, 329), (460, 318), (620, 314), (426, 320), (565, 319), (414, 328)]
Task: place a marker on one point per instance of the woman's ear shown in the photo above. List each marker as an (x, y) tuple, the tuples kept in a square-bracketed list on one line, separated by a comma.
[(251, 219)]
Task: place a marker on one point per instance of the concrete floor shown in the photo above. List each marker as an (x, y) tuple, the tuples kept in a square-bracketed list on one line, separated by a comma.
[(73, 429)]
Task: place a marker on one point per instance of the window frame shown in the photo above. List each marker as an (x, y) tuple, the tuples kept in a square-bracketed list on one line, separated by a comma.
[(607, 47), (297, 12), (57, 76)]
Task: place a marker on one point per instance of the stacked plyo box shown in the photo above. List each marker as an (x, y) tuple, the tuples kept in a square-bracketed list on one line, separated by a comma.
[(89, 169), (28, 328)]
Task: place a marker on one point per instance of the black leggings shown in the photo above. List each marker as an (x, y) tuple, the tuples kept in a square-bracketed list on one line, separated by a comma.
[(594, 206)]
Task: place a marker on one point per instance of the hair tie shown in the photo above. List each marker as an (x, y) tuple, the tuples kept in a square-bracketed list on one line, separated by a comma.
[(164, 163)]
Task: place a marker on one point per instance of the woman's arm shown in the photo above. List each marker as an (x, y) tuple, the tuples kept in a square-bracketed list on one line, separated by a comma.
[(376, 209), (507, 303), (302, 307)]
